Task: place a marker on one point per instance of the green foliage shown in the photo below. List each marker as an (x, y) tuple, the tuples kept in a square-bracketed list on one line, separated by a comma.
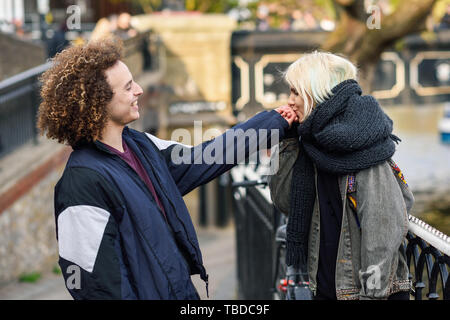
[(400, 44), (210, 6), (57, 270), (281, 11), (148, 6), (394, 4), (438, 217), (30, 277), (328, 7), (206, 6)]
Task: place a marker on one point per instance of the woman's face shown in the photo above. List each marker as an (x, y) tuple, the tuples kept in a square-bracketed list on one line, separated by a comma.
[(297, 103)]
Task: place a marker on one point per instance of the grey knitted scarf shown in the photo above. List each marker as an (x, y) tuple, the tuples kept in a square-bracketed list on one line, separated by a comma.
[(344, 134)]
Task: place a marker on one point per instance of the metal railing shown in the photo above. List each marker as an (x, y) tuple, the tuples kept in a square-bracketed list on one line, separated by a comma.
[(256, 222), (428, 249), (19, 102)]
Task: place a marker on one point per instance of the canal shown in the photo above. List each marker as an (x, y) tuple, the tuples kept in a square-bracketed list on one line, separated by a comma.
[(424, 160)]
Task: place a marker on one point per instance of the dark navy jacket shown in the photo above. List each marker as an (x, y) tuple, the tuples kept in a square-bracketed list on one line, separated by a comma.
[(114, 243)]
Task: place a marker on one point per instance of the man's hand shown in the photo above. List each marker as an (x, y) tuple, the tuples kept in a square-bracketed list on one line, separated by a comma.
[(288, 114)]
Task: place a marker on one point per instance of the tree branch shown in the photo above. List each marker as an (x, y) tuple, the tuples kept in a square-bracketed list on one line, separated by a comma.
[(404, 20), (362, 45)]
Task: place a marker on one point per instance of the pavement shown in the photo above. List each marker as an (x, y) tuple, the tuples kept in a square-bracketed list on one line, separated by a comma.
[(219, 257)]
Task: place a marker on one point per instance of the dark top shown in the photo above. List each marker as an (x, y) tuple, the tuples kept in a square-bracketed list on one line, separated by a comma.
[(133, 161), (330, 204)]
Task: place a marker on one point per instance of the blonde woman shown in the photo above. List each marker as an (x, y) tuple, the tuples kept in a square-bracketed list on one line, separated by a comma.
[(346, 200)]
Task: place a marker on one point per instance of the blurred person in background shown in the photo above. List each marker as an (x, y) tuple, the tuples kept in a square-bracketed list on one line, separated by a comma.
[(124, 29), (113, 20), (18, 27), (262, 18), (59, 41), (310, 21), (445, 21), (102, 30), (297, 21)]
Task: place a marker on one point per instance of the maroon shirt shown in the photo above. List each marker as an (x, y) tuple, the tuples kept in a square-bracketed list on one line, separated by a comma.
[(133, 161)]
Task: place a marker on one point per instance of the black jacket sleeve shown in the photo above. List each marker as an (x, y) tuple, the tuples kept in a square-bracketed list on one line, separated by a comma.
[(86, 214), (193, 166)]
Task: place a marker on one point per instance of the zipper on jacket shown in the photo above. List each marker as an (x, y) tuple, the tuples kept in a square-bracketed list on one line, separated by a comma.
[(156, 258), (170, 201), (141, 183), (139, 179), (145, 188), (179, 219)]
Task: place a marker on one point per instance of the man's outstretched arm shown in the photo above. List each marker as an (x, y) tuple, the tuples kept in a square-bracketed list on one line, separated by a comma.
[(193, 166)]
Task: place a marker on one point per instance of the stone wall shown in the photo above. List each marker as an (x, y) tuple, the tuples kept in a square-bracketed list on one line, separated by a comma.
[(27, 225), (18, 55), (195, 61), (27, 232), (197, 58)]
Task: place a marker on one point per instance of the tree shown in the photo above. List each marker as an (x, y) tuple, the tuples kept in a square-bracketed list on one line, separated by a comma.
[(147, 6), (361, 38), (210, 6)]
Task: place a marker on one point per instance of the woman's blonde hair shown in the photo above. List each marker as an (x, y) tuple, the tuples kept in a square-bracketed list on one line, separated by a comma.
[(314, 75)]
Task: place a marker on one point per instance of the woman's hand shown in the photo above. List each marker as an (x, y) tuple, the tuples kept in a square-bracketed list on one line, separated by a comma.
[(288, 114)]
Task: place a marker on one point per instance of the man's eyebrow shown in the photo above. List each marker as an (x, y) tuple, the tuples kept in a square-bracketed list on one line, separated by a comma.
[(128, 83)]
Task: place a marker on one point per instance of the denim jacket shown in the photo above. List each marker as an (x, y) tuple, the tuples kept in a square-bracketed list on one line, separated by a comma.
[(371, 260)]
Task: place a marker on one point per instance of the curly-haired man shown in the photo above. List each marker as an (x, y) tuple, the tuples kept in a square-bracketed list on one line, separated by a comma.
[(121, 220)]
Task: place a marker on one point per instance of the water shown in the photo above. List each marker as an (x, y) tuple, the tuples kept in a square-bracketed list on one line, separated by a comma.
[(425, 161)]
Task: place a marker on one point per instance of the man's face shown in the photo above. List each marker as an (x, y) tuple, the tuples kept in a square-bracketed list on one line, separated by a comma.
[(123, 107)]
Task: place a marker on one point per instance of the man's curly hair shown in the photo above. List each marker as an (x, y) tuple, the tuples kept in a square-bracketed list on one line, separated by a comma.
[(75, 92)]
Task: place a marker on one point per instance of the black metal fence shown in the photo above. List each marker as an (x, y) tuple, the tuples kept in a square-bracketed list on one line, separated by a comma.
[(256, 222), (428, 268), (19, 96)]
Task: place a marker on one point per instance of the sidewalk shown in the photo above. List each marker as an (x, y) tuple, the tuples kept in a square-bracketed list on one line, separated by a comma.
[(219, 257), (218, 249)]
